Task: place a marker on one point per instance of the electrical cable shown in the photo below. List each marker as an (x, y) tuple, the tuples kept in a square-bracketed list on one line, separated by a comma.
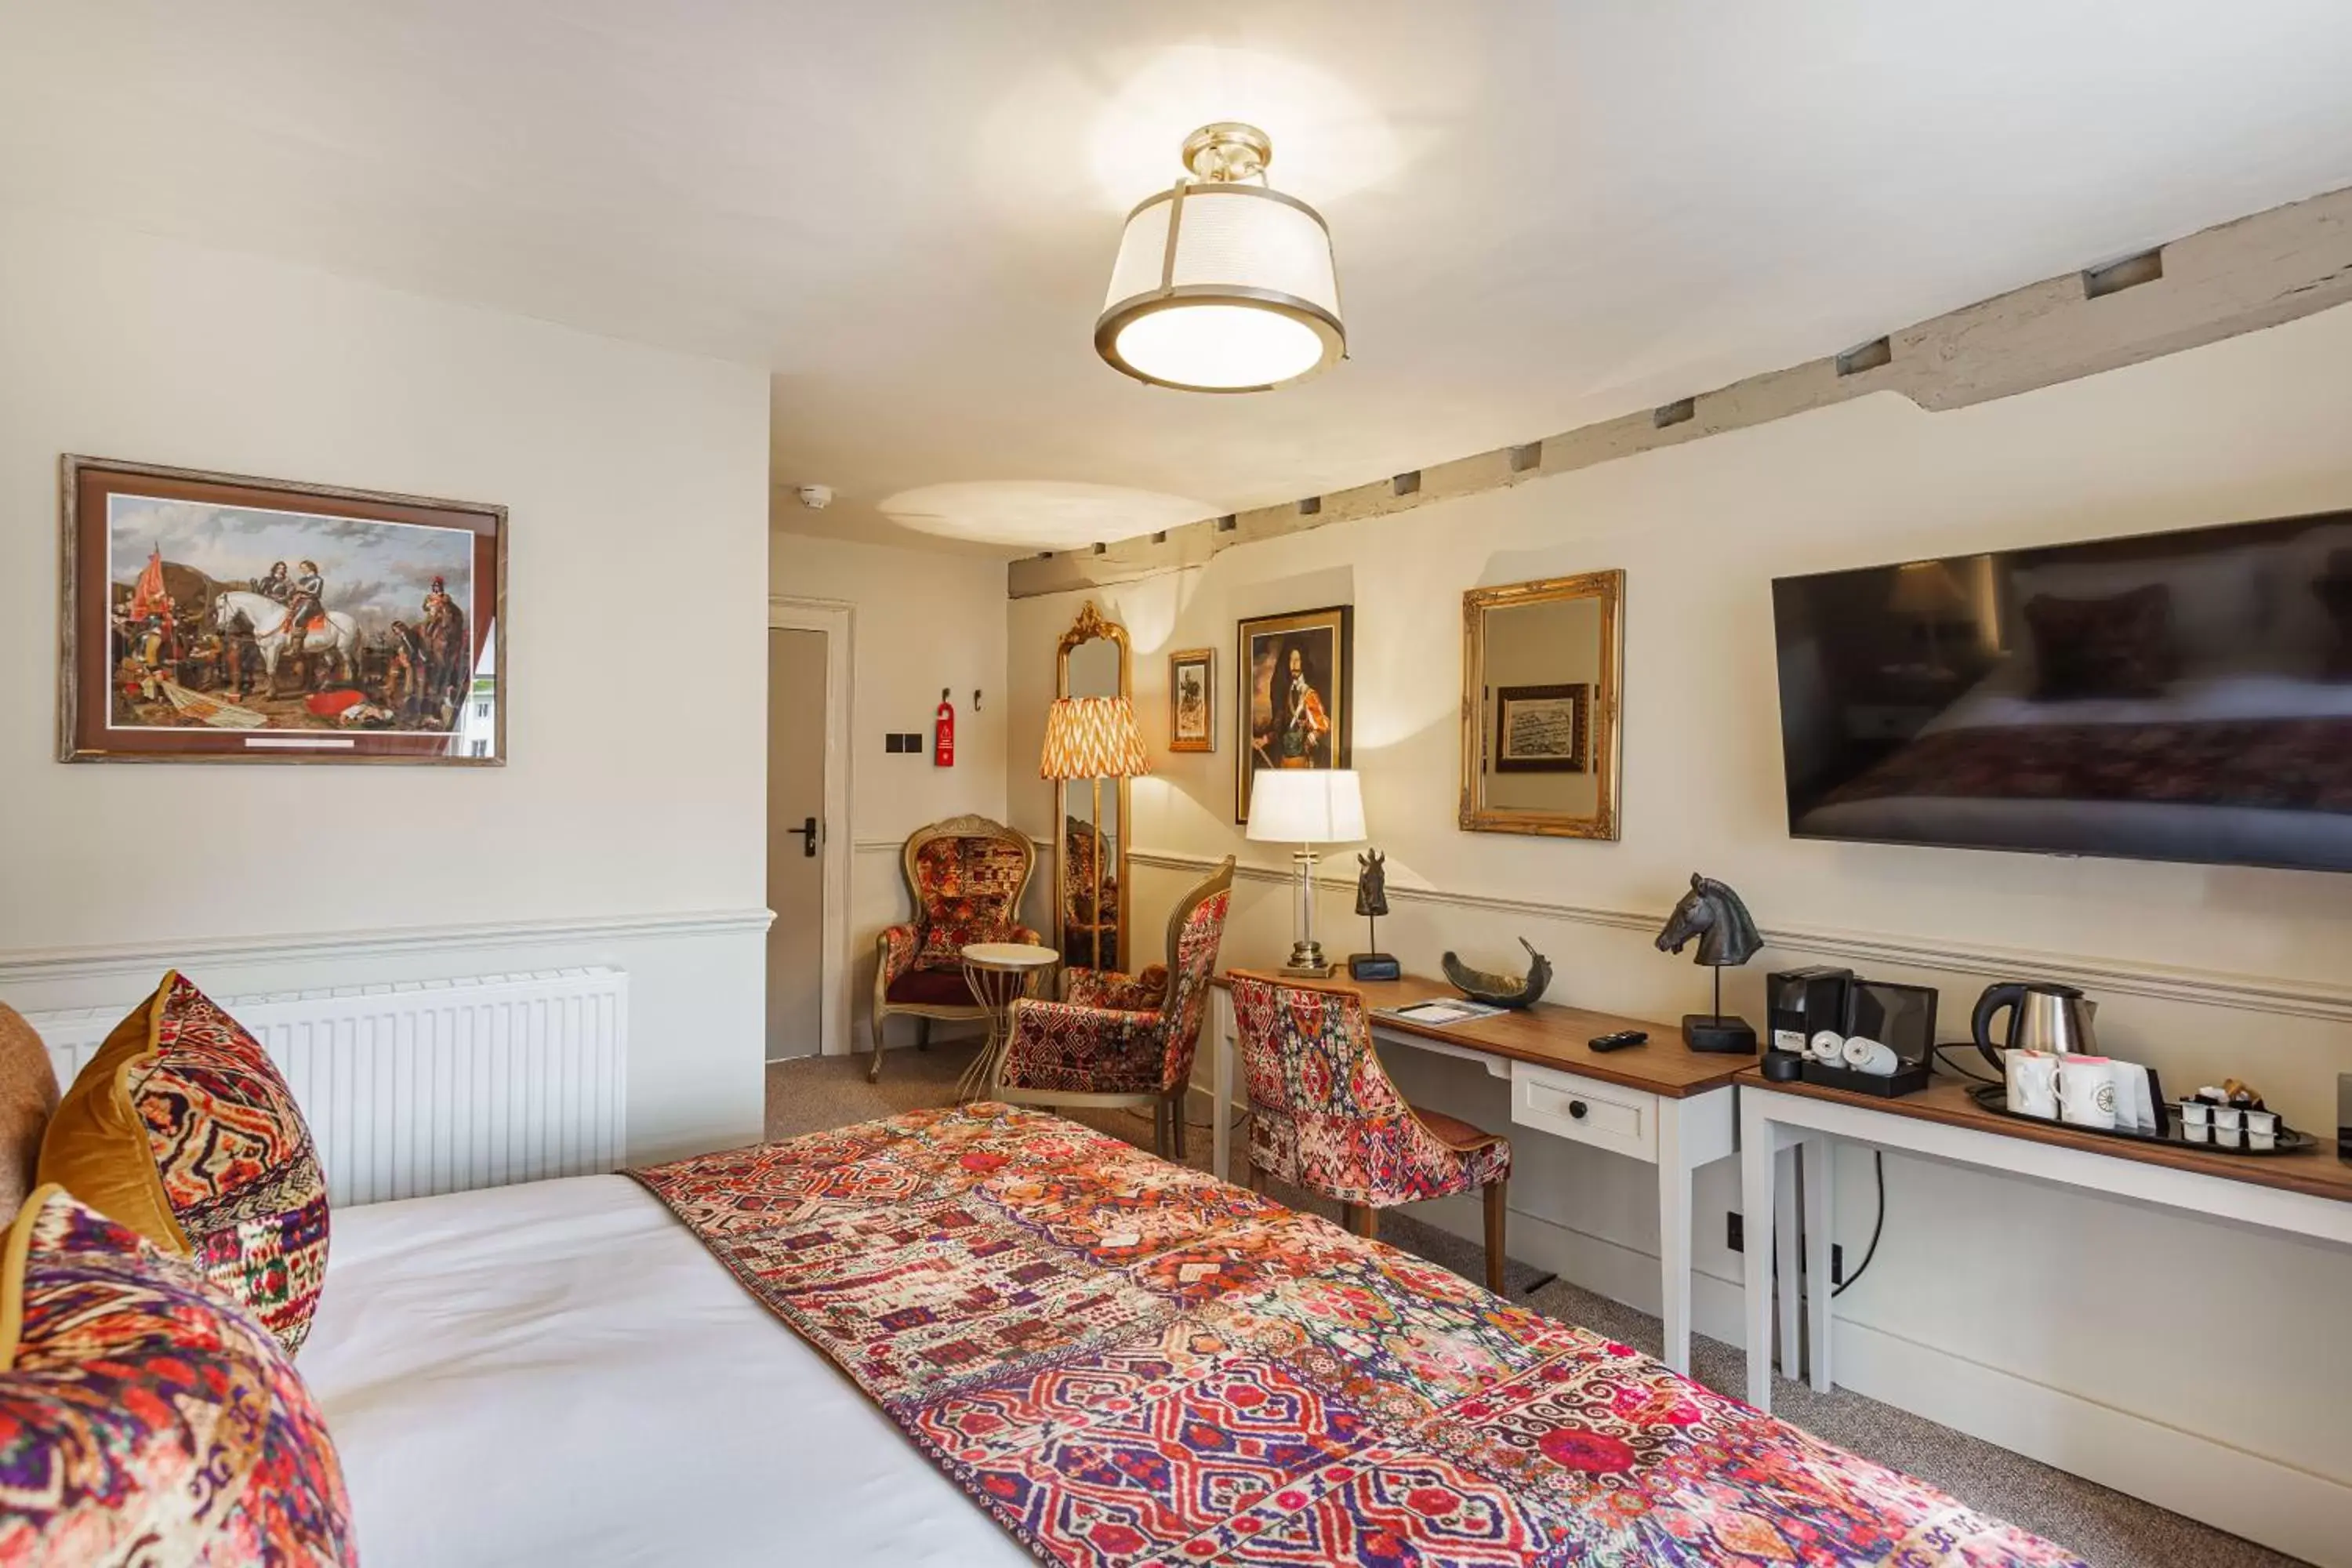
[(1954, 1067), (1877, 1227)]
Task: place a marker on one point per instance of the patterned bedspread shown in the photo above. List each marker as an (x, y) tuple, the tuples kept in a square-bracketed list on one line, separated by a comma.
[(2286, 764), (1125, 1362)]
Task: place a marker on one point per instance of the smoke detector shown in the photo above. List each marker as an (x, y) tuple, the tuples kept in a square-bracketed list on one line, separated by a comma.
[(816, 498)]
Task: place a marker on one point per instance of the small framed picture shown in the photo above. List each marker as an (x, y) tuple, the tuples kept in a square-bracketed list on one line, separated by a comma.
[(1542, 729), (1193, 699)]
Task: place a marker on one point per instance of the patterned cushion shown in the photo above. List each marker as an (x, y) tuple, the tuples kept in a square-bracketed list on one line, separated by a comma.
[(183, 1130), (967, 887), (931, 988), (142, 1418), (28, 1098)]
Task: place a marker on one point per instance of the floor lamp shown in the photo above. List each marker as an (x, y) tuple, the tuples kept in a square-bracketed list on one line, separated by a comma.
[(1306, 807), (1092, 738)]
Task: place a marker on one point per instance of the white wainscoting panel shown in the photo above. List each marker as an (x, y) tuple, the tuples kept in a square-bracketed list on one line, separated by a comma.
[(435, 1086)]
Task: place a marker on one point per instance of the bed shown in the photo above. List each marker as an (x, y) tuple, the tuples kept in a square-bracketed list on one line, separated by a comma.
[(2225, 766), (982, 1334)]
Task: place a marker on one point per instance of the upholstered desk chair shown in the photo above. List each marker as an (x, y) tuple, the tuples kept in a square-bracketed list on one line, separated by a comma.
[(1325, 1115), (965, 876), (1125, 1040)]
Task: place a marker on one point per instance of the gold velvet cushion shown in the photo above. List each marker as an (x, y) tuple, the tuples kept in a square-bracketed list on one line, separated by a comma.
[(28, 1096), (142, 1418), (181, 1128)]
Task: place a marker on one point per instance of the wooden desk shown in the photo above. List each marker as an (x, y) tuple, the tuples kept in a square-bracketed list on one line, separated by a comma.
[(2307, 1194), (1660, 1103)]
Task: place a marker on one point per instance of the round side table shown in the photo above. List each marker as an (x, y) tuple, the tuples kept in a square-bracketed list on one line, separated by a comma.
[(999, 973)]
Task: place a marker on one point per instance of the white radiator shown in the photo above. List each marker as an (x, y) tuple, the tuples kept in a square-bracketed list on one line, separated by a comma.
[(433, 1086)]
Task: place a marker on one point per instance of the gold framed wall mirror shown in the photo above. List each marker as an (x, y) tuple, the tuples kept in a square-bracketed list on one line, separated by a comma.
[(1542, 670), (1093, 749)]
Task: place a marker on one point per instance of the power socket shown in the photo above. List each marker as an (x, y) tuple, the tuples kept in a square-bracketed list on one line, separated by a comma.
[(1735, 1237)]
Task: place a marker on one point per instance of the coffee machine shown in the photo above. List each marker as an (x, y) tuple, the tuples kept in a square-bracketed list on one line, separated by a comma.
[(1801, 1003)]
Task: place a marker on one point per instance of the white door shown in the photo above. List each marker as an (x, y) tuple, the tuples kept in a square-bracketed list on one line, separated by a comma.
[(796, 828)]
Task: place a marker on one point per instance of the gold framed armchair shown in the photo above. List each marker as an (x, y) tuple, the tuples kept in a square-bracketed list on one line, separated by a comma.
[(965, 877)]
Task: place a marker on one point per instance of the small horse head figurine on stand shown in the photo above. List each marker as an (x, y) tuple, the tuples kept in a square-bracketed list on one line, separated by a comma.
[(1726, 935), (1372, 902)]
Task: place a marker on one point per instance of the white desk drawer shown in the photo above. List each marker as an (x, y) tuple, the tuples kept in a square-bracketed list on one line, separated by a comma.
[(1590, 1112)]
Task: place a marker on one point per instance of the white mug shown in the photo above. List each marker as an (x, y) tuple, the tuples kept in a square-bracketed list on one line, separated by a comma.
[(1863, 1053), (2087, 1091), (2032, 1083)]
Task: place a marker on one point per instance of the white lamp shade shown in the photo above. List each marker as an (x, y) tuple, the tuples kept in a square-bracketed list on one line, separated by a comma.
[(1243, 296), (1306, 805)]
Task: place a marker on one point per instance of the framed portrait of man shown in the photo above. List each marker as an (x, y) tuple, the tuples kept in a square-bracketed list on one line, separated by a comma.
[(213, 617), (1295, 701)]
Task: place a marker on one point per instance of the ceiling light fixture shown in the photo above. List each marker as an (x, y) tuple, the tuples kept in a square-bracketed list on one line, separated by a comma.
[(1220, 285)]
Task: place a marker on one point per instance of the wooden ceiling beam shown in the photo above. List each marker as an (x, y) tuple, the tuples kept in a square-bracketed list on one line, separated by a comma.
[(2235, 277)]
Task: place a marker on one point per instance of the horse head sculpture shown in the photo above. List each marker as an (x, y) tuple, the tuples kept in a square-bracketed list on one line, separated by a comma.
[(1713, 913)]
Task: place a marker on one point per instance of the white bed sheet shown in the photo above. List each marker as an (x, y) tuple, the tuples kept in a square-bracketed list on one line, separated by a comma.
[(561, 1374)]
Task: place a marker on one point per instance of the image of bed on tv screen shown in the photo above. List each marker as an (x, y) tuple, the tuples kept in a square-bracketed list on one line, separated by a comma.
[(2183, 695)]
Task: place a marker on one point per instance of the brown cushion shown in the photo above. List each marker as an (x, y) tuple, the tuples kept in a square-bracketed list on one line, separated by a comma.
[(2118, 646), (28, 1095), (1455, 1133), (931, 988)]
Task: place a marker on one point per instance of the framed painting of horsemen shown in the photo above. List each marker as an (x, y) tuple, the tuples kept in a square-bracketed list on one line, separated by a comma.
[(215, 617), (1295, 708)]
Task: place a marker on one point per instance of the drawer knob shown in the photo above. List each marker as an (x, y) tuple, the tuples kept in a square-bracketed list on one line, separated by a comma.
[(1575, 1109)]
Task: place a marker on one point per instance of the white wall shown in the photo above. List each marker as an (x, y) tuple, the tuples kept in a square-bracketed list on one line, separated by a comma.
[(624, 828), (2231, 1338), (922, 621)]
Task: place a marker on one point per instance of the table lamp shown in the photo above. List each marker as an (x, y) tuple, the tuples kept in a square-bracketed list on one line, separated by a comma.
[(1093, 738), (1306, 807)]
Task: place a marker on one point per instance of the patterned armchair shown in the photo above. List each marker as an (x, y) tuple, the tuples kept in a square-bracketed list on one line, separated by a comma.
[(1125, 1039), (1325, 1116), (965, 876)]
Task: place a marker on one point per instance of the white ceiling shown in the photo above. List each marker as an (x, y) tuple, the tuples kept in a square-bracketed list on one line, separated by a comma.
[(1547, 212)]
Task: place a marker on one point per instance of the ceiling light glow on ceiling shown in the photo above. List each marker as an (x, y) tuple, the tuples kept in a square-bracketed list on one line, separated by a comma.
[(1221, 285)]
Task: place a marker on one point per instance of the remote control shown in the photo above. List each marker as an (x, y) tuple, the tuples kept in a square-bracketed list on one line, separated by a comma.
[(1619, 1041)]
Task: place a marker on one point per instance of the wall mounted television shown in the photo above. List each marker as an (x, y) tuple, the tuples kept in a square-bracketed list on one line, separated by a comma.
[(2181, 696)]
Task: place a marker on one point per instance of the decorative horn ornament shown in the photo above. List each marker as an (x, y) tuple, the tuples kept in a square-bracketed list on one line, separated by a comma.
[(1501, 989)]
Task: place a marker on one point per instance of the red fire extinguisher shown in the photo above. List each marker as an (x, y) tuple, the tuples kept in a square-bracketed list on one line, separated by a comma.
[(944, 744)]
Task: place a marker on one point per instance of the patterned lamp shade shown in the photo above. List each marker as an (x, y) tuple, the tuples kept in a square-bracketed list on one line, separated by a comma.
[(1092, 738)]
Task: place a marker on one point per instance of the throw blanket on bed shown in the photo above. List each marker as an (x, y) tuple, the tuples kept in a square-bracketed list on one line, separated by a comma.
[(1128, 1363), (2286, 764)]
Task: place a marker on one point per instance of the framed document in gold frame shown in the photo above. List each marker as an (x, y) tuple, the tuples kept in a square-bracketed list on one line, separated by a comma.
[(1542, 671)]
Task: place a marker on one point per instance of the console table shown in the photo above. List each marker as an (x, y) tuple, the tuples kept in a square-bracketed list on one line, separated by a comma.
[(1660, 1103), (2307, 1194)]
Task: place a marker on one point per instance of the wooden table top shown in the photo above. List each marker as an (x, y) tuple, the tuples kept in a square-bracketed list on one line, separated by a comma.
[(2316, 1172), (1551, 1035)]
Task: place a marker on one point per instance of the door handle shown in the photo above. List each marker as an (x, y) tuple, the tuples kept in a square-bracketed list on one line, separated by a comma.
[(807, 830)]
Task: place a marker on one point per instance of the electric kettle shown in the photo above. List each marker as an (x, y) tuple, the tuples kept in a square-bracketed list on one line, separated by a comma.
[(2042, 1017)]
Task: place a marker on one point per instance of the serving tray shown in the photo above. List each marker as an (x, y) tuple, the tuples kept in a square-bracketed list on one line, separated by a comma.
[(1994, 1097)]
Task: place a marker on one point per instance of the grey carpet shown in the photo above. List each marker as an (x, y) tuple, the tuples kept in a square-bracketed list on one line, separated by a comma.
[(2104, 1528)]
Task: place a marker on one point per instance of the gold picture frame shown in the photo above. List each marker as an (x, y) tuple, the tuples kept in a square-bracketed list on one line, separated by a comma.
[(1576, 794), (1193, 699)]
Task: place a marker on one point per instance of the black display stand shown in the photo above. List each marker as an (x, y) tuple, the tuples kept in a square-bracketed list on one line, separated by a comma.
[(1713, 1033)]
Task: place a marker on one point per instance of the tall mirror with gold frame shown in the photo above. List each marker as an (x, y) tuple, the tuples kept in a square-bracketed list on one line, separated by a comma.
[(1092, 749), (1542, 686)]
